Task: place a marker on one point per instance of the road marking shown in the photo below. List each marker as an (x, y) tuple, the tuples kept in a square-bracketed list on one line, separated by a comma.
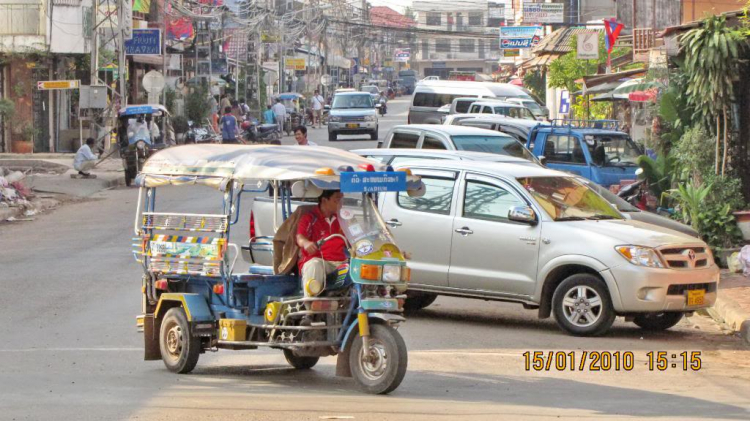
[(72, 350)]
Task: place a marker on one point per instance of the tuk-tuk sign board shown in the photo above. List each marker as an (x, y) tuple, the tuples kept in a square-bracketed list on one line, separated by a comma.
[(373, 182), (139, 109), (46, 85), (144, 42)]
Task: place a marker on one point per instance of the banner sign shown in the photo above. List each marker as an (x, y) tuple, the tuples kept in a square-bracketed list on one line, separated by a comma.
[(294, 64), (372, 182), (127, 20), (587, 45), (543, 12), (512, 37), (46, 85), (401, 55), (144, 42)]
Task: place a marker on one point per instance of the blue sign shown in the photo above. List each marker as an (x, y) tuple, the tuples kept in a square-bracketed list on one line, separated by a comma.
[(138, 109), (144, 42), (373, 182), (564, 102), (513, 37), (438, 65)]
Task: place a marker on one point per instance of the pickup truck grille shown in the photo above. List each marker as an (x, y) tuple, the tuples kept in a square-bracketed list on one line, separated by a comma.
[(685, 257), (353, 118)]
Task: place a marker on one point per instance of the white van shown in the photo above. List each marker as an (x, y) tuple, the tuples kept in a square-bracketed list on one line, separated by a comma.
[(429, 95)]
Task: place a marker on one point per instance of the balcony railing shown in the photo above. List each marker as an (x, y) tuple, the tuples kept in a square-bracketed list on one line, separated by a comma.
[(21, 19)]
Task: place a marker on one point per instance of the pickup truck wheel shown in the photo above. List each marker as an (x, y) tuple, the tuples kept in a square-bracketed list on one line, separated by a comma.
[(416, 301), (657, 321), (332, 136), (582, 305)]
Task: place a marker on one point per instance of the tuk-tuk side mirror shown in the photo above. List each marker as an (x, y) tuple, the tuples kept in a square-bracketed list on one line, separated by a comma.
[(522, 214)]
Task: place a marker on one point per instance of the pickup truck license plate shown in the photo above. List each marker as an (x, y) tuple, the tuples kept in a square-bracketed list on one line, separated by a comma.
[(352, 126), (696, 297)]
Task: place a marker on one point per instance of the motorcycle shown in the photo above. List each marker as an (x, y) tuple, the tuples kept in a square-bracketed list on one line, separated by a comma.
[(254, 132), (198, 134), (135, 139), (381, 106)]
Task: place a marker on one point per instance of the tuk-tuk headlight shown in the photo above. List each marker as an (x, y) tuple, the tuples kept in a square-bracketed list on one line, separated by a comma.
[(392, 273), (140, 144)]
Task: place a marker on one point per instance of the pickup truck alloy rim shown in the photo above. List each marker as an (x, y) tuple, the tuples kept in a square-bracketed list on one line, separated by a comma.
[(174, 341), (582, 306), (374, 362)]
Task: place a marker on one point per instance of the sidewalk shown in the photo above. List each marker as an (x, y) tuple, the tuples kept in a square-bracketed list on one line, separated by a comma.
[(733, 303), (48, 175)]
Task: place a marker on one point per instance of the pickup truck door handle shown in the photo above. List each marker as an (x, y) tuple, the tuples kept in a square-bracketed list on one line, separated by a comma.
[(464, 231), (394, 223)]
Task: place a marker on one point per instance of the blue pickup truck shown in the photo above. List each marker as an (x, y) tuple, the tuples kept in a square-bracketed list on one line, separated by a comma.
[(594, 149)]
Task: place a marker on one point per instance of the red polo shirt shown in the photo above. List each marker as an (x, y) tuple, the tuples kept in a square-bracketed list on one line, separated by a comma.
[(314, 226)]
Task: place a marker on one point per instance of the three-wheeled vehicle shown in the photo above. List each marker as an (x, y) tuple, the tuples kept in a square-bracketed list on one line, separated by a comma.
[(195, 297), (295, 116), (136, 137)]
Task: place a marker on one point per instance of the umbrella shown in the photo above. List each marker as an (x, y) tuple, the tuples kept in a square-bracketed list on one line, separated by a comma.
[(634, 85), (517, 82)]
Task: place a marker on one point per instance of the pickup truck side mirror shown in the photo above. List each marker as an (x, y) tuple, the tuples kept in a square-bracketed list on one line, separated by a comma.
[(543, 160), (522, 214)]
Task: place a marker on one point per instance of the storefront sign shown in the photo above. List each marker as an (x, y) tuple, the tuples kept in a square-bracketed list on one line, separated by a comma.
[(543, 12), (564, 102), (57, 84), (144, 42), (587, 45), (438, 65), (294, 64), (513, 37)]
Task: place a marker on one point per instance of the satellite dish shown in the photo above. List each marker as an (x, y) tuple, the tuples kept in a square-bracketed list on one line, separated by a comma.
[(153, 82)]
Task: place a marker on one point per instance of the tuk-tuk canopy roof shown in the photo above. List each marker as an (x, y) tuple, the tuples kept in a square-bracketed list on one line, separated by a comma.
[(143, 109), (289, 96), (215, 165)]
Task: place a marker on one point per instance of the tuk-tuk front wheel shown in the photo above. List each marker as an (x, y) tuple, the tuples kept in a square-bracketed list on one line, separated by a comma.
[(381, 368), (179, 349), (300, 363)]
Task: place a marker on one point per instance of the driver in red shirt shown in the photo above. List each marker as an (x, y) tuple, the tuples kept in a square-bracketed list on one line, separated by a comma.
[(314, 263)]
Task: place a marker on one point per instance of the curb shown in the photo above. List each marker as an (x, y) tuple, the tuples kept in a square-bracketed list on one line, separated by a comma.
[(730, 313)]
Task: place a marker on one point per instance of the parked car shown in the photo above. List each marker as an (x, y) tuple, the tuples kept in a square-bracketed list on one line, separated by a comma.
[(501, 108), (541, 238), (427, 136), (518, 128), (432, 94), (540, 112), (352, 113)]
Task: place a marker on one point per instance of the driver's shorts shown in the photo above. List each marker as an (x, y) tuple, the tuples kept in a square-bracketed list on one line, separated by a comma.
[(316, 270)]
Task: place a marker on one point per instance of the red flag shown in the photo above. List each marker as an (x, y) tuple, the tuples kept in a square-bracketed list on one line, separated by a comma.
[(612, 30)]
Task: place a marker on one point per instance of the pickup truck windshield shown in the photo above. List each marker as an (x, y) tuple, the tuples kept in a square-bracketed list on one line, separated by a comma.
[(567, 199), (612, 150), (352, 101), (502, 145)]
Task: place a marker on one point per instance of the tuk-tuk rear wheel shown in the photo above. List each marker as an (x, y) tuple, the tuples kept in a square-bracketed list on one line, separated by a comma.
[(179, 349), (380, 369), (300, 363)]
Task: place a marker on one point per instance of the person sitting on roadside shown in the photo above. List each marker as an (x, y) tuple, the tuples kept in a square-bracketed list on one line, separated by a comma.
[(316, 263), (300, 135), (85, 160), (228, 125)]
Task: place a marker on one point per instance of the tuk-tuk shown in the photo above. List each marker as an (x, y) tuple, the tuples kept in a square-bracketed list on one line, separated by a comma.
[(295, 104), (139, 130), (196, 297)]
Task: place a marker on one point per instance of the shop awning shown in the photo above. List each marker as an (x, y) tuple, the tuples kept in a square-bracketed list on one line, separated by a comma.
[(601, 89), (157, 61), (595, 80), (540, 61)]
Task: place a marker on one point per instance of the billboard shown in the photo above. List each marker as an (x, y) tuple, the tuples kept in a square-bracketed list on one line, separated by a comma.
[(401, 55), (144, 42), (513, 37), (543, 12)]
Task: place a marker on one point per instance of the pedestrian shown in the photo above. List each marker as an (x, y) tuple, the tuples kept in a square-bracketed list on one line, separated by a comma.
[(279, 114), (228, 125), (226, 101), (268, 116), (300, 135), (318, 102), (85, 159), (236, 110), (244, 108)]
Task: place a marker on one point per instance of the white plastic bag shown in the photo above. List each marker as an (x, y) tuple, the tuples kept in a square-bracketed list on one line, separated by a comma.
[(745, 260)]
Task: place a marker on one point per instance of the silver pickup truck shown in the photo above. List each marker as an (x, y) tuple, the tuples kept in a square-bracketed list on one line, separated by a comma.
[(540, 238)]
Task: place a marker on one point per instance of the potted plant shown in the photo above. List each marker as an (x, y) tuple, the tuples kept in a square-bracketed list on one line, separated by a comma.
[(743, 222)]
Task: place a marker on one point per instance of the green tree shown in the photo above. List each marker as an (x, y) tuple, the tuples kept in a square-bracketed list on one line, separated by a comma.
[(712, 58)]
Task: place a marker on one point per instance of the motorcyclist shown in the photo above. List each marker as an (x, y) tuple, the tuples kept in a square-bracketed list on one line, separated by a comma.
[(383, 101)]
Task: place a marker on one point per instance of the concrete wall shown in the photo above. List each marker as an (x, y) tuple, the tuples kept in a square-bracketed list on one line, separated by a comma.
[(696, 10), (66, 35), (664, 13)]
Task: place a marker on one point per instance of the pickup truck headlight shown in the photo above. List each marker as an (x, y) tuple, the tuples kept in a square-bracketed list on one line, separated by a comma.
[(391, 273), (334, 118), (640, 256), (370, 118)]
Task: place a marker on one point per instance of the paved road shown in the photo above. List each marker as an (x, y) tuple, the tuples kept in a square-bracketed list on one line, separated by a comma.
[(70, 350)]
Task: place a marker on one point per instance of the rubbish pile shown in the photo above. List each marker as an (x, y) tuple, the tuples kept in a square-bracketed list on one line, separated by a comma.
[(14, 194)]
